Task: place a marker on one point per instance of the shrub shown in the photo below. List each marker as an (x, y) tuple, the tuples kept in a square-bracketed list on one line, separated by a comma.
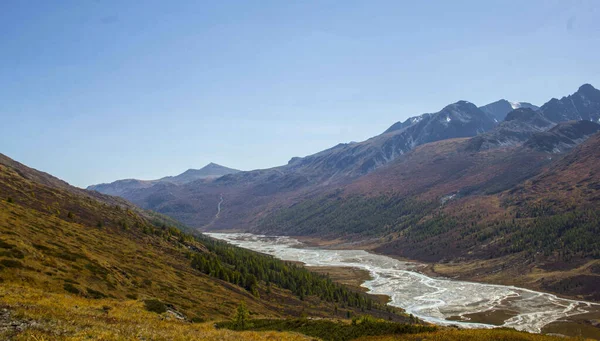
[(155, 306), (95, 294), (71, 288)]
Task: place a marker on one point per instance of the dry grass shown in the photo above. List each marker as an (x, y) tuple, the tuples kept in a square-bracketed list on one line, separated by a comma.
[(115, 263), (50, 316)]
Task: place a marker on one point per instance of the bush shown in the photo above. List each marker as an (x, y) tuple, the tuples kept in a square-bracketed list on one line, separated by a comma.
[(155, 306), (95, 294), (242, 316), (71, 288)]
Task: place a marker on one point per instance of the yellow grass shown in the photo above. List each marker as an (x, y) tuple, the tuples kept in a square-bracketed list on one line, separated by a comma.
[(53, 316)]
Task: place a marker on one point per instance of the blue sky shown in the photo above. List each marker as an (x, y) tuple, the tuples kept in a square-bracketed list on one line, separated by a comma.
[(94, 91)]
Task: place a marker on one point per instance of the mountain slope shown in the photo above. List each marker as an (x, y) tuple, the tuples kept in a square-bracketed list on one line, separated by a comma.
[(571, 182)]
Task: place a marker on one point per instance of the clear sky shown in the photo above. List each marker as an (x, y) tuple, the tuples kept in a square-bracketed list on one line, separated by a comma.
[(94, 91)]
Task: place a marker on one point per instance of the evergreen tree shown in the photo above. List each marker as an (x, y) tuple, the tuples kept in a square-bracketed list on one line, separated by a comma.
[(242, 316)]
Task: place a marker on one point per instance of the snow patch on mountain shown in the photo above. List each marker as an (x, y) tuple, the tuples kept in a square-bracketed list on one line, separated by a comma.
[(515, 105)]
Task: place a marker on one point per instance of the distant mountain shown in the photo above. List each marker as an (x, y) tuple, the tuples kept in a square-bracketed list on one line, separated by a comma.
[(212, 170), (499, 109), (120, 187), (521, 124), (563, 137), (445, 113), (245, 192), (582, 105), (250, 196), (460, 119)]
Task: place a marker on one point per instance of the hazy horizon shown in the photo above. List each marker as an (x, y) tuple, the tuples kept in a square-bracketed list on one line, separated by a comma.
[(94, 92)]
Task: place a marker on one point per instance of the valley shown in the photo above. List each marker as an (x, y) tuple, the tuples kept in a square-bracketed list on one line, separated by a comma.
[(504, 194), (438, 300), (304, 170), (81, 265)]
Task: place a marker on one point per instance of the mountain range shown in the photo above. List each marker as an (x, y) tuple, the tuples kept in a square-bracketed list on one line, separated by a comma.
[(208, 172), (451, 186)]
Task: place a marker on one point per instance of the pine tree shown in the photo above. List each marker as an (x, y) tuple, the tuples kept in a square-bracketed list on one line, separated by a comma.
[(242, 316)]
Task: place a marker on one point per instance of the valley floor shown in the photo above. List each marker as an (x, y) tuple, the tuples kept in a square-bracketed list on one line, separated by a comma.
[(505, 271), (508, 270)]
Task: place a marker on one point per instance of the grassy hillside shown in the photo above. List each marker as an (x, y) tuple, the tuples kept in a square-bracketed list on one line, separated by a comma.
[(57, 240), (33, 314)]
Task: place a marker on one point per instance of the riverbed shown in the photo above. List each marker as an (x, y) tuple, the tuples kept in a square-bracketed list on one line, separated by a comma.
[(436, 300)]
